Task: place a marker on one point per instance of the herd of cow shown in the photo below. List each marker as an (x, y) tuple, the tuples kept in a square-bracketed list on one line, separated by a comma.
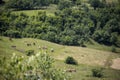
[(40, 48)]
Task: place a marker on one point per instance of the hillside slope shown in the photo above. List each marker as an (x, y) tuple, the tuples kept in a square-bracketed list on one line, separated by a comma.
[(87, 58), (81, 54)]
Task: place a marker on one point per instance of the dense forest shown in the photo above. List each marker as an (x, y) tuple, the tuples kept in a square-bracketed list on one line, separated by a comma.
[(73, 23)]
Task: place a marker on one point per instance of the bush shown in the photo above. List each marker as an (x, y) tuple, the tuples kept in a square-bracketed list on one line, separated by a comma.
[(30, 52), (70, 60), (113, 49), (37, 67), (97, 73)]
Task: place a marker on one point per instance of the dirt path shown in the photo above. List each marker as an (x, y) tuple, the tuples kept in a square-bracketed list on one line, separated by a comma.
[(116, 63)]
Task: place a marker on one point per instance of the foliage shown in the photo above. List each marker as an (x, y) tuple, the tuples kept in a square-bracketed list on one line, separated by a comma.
[(35, 67), (97, 73), (70, 60), (30, 52), (64, 4), (13, 33), (113, 49), (13, 68), (29, 4)]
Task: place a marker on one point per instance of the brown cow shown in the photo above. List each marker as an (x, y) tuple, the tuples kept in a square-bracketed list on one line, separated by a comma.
[(13, 46), (28, 44), (34, 43), (71, 70), (44, 47)]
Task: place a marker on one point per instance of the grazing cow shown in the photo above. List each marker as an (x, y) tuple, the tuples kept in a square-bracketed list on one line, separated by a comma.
[(44, 47), (71, 70), (13, 46), (28, 44)]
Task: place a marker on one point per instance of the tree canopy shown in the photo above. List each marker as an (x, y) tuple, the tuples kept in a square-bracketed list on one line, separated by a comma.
[(72, 23)]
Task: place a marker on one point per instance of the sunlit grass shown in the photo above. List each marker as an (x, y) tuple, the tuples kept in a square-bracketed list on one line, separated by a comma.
[(87, 58)]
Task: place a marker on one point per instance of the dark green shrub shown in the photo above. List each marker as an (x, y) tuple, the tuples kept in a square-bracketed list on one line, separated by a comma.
[(113, 49), (70, 60), (30, 52), (97, 73)]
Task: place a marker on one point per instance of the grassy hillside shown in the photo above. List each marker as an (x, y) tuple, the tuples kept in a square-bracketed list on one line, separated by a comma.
[(87, 58), (83, 55), (95, 45), (49, 11)]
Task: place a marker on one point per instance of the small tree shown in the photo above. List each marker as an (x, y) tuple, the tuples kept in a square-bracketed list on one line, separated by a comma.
[(97, 73), (29, 52), (113, 49), (70, 60)]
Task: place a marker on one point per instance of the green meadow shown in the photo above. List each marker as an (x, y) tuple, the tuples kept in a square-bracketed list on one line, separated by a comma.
[(88, 58)]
